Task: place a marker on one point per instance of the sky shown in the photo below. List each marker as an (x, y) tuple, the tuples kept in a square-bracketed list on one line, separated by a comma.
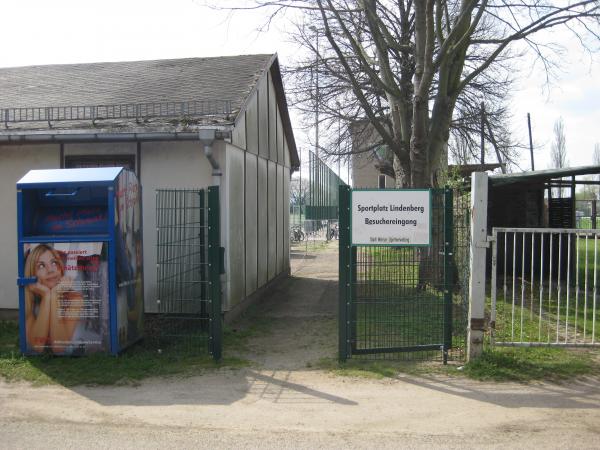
[(77, 31)]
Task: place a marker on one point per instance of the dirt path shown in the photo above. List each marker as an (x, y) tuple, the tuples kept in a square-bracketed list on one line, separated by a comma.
[(282, 403), (299, 317)]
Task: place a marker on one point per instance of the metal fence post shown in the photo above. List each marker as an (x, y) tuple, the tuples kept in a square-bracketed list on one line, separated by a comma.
[(204, 294), (344, 271), (448, 268), (478, 245), (214, 254)]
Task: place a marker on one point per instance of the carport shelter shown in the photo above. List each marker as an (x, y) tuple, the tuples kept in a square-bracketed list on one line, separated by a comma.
[(536, 199), (179, 124)]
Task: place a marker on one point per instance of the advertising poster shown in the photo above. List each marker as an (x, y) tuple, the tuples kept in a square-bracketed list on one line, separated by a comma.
[(66, 308), (128, 236)]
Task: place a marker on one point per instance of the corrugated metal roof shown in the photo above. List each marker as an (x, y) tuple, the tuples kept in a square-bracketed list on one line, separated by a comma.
[(541, 175)]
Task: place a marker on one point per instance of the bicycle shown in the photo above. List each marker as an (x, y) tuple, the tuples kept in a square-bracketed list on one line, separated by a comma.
[(296, 234)]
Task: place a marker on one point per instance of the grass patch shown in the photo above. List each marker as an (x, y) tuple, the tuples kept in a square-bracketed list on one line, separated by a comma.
[(235, 338), (530, 326), (532, 364), (378, 369), (500, 365), (138, 362)]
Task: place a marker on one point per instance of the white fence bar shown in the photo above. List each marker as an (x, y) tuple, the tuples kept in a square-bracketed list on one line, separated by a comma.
[(495, 282), (567, 263)]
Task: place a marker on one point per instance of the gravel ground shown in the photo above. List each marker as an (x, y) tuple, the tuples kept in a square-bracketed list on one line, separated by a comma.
[(281, 403)]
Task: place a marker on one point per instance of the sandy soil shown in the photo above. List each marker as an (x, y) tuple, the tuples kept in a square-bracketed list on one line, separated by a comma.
[(282, 403)]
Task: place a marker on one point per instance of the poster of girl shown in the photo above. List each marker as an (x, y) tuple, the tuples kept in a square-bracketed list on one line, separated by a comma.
[(65, 307)]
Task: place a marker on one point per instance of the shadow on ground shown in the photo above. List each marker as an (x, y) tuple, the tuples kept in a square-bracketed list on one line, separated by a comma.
[(296, 325)]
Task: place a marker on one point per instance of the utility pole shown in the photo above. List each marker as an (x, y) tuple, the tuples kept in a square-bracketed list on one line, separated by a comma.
[(482, 160), (530, 141), (317, 99), (301, 196), (339, 107), (349, 160)]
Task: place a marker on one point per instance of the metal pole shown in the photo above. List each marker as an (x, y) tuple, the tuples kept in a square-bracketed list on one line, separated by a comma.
[(448, 270), (344, 274), (316, 31), (482, 135), (339, 143), (530, 140), (214, 252), (349, 160), (301, 197)]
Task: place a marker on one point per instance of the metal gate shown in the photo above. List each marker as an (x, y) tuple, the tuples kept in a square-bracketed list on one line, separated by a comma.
[(188, 270), (544, 287), (396, 302)]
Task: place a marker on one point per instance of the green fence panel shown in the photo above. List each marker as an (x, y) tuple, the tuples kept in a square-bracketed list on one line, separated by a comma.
[(323, 196), (187, 261), (397, 302)]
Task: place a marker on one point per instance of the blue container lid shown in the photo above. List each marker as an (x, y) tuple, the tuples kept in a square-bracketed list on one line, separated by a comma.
[(77, 176)]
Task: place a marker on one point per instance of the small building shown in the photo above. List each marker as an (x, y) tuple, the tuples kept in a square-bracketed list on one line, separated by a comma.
[(536, 199), (371, 160), (179, 124)]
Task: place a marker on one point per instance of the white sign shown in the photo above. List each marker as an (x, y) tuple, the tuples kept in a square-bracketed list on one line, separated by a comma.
[(391, 217)]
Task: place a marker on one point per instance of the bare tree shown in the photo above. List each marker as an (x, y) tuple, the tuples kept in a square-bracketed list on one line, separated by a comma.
[(411, 69), (558, 149)]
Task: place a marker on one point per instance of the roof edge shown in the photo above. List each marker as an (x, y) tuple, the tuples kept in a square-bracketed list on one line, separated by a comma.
[(542, 175), (273, 68)]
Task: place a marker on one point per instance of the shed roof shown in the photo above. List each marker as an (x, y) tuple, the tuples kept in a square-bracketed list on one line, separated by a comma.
[(45, 92), (221, 78), (541, 175)]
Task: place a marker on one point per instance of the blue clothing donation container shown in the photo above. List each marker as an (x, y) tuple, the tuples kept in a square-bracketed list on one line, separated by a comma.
[(80, 261)]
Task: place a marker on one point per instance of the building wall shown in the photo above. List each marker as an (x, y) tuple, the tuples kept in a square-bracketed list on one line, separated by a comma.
[(364, 173), (258, 181), (168, 165), (254, 196), (163, 165), (16, 161)]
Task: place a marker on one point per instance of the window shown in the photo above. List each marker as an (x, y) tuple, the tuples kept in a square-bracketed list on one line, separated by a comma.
[(83, 161), (381, 181)]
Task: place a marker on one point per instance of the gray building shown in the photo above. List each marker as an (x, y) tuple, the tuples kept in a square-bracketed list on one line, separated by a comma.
[(149, 116)]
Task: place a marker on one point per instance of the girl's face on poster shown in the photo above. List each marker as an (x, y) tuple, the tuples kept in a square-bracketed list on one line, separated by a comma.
[(48, 270)]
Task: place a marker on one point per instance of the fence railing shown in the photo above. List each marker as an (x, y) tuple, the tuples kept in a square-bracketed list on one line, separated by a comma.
[(117, 111), (544, 287)]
